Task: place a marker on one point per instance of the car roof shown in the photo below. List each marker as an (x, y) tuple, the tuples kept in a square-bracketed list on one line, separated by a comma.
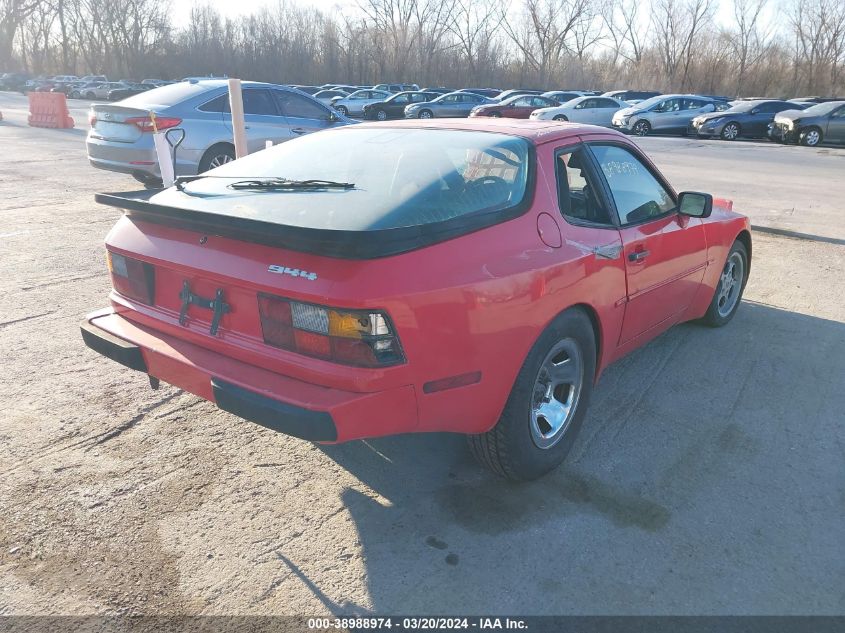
[(535, 131)]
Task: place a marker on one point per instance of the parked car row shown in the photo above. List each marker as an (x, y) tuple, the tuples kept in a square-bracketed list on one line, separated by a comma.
[(120, 138)]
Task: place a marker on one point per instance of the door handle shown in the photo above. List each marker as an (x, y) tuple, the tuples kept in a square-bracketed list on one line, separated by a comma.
[(638, 256), (298, 130)]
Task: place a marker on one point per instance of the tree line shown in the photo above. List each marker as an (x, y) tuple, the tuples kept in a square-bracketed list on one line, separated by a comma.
[(756, 48)]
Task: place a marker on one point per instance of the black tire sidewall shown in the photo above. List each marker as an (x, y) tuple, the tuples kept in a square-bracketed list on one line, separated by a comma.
[(802, 137), (525, 461), (211, 152), (738, 131), (713, 318)]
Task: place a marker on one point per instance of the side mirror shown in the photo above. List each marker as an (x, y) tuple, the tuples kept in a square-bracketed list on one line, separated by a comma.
[(695, 204)]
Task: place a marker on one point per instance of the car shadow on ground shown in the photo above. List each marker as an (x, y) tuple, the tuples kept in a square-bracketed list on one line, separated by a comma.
[(691, 440)]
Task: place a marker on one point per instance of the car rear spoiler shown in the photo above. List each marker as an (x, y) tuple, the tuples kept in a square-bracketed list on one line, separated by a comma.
[(366, 244)]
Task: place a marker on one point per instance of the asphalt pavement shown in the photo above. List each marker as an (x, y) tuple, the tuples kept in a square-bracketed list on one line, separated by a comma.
[(708, 478)]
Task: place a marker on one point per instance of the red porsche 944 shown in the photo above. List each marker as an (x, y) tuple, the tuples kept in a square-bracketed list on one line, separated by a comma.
[(473, 276)]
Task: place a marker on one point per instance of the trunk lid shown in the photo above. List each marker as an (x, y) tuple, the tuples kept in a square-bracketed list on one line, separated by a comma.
[(110, 122)]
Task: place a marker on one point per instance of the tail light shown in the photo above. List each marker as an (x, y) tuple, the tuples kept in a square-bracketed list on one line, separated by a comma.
[(132, 278), (92, 118), (145, 123), (361, 338)]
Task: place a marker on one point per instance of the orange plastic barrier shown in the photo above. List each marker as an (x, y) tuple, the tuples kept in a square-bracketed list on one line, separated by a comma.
[(49, 109)]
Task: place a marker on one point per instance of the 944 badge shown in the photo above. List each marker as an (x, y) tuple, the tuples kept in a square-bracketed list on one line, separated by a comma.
[(293, 272)]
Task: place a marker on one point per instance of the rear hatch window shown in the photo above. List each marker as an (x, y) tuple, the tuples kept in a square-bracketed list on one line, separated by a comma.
[(404, 188), (401, 178)]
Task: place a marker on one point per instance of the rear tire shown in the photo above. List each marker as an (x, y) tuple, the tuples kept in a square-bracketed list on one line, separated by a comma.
[(547, 404), (216, 155), (728, 293)]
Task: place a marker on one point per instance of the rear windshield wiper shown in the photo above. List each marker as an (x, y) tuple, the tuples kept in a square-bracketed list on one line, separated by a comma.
[(284, 183)]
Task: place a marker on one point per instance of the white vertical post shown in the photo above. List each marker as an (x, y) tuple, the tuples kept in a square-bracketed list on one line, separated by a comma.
[(236, 105)]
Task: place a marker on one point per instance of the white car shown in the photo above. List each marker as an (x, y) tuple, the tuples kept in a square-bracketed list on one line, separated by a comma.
[(353, 105), (592, 110)]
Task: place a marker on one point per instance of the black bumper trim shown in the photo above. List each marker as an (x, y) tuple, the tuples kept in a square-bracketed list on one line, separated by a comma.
[(315, 426), (111, 346)]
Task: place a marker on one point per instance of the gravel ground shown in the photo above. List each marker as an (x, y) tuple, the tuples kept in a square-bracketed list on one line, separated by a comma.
[(708, 479)]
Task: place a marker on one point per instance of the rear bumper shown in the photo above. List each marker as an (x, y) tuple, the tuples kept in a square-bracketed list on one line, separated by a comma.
[(278, 402)]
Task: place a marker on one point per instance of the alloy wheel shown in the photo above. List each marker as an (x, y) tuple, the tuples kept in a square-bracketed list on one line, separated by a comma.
[(381, 115), (557, 390), (730, 284), (812, 138), (220, 159), (641, 128), (731, 132), (425, 114)]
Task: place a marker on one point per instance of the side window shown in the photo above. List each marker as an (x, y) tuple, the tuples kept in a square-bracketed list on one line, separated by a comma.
[(838, 114), (218, 104), (294, 105), (670, 105), (259, 102), (577, 195), (451, 99), (419, 97), (637, 193), (522, 102), (607, 103), (401, 99)]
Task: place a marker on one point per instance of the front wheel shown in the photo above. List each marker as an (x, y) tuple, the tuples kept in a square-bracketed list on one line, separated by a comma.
[(811, 137), (728, 293), (561, 117), (381, 115), (730, 132), (547, 404), (642, 128), (426, 114), (343, 110)]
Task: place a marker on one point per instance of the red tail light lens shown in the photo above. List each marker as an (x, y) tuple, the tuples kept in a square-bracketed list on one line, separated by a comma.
[(132, 278), (145, 123), (352, 337)]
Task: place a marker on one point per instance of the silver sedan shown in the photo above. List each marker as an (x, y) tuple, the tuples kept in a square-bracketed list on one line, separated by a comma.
[(452, 104), (121, 139), (592, 110), (353, 104)]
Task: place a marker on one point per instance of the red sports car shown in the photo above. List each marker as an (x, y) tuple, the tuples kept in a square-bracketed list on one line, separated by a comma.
[(470, 275), (517, 107)]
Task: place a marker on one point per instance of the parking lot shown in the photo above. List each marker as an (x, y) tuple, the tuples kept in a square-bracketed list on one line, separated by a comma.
[(708, 478)]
